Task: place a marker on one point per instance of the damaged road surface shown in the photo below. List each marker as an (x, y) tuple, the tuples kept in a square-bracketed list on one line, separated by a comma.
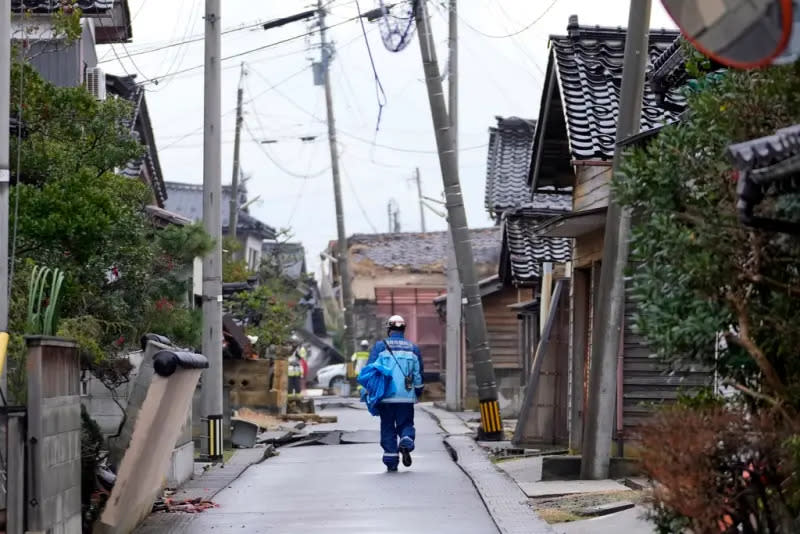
[(341, 486)]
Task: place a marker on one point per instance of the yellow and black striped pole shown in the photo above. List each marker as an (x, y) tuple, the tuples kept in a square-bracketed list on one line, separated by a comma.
[(215, 437), (491, 422)]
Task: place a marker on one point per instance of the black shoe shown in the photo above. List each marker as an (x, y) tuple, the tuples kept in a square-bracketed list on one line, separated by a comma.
[(406, 457), (391, 469)]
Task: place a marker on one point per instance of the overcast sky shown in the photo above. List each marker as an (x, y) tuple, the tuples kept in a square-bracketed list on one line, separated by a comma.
[(498, 77)]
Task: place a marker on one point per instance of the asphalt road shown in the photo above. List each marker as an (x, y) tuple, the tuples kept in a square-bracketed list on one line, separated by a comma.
[(344, 488)]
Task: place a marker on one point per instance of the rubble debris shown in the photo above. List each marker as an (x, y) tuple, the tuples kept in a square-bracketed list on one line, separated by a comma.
[(187, 506), (299, 405), (261, 419), (244, 433), (310, 417)]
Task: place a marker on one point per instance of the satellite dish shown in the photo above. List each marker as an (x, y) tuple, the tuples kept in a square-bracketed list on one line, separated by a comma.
[(743, 34)]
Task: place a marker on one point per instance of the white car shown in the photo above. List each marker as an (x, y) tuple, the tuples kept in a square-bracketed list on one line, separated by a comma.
[(332, 375)]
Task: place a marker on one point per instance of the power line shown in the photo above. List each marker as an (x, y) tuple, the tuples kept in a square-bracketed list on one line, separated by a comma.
[(155, 79), (270, 88), (512, 34), (293, 174), (190, 39), (358, 200), (359, 138)]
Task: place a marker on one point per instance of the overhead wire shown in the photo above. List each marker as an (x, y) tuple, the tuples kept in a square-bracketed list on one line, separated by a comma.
[(357, 199), (190, 39), (380, 94), (359, 138), (277, 163), (512, 34), (155, 79)]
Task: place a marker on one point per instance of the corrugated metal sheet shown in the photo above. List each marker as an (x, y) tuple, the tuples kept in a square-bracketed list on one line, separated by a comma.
[(58, 64)]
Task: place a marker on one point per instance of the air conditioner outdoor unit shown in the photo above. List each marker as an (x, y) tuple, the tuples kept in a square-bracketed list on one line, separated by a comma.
[(96, 82)]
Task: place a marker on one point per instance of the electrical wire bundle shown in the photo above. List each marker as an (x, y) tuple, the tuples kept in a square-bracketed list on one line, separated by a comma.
[(397, 24)]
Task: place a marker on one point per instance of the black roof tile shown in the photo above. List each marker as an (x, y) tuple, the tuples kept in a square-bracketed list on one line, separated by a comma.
[(524, 252), (589, 63)]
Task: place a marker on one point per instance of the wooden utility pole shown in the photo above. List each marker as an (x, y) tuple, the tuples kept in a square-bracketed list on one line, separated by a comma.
[(453, 328), (477, 336), (343, 263), (596, 453), (233, 216), (212, 263), (421, 203)]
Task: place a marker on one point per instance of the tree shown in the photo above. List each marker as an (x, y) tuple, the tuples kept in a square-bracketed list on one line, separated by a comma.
[(76, 214), (699, 273)]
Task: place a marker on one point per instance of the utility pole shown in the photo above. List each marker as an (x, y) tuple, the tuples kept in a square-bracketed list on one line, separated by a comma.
[(5, 184), (477, 337), (453, 328), (421, 204), (344, 269), (212, 262), (611, 299), (233, 216)]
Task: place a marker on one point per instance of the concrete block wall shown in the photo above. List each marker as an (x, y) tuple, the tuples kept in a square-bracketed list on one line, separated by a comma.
[(181, 467), (98, 401), (54, 437)]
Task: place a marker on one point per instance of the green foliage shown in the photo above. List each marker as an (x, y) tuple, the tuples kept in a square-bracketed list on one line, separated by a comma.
[(183, 326), (698, 271), (269, 312), (42, 307), (75, 212), (233, 270)]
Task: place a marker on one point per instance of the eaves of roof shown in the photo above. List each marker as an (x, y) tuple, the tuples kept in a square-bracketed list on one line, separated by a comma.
[(580, 104)]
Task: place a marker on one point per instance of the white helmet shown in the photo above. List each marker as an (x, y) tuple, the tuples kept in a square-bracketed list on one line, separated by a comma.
[(396, 322), (364, 343)]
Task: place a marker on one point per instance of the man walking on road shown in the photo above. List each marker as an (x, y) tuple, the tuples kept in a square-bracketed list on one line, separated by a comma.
[(397, 409)]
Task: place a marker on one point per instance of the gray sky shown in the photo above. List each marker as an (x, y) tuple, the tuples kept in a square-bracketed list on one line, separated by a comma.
[(498, 76)]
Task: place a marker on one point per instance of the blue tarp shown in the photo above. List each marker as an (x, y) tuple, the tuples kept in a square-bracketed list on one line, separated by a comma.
[(377, 382)]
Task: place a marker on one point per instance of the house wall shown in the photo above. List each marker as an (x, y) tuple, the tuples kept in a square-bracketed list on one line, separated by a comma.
[(506, 346), (61, 64), (251, 250), (364, 284), (587, 249), (423, 325), (591, 186)]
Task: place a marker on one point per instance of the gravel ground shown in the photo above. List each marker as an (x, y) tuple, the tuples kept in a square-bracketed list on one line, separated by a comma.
[(563, 509)]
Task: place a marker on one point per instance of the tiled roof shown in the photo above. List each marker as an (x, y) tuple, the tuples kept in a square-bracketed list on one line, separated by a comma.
[(766, 151), (589, 62), (524, 251), (507, 164), (148, 164), (420, 252), (48, 6), (187, 200), (507, 168)]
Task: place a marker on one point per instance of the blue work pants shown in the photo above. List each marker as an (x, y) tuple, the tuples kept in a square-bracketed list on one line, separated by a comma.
[(397, 422)]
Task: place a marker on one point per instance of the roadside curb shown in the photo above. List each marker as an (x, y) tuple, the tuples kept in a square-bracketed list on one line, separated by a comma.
[(503, 498)]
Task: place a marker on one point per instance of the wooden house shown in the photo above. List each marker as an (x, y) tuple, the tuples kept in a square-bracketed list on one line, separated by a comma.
[(573, 152)]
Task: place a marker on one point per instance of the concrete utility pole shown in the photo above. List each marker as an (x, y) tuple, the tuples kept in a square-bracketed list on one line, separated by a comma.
[(453, 336), (477, 337), (5, 183), (212, 262), (421, 203), (233, 216), (611, 299), (344, 264)]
